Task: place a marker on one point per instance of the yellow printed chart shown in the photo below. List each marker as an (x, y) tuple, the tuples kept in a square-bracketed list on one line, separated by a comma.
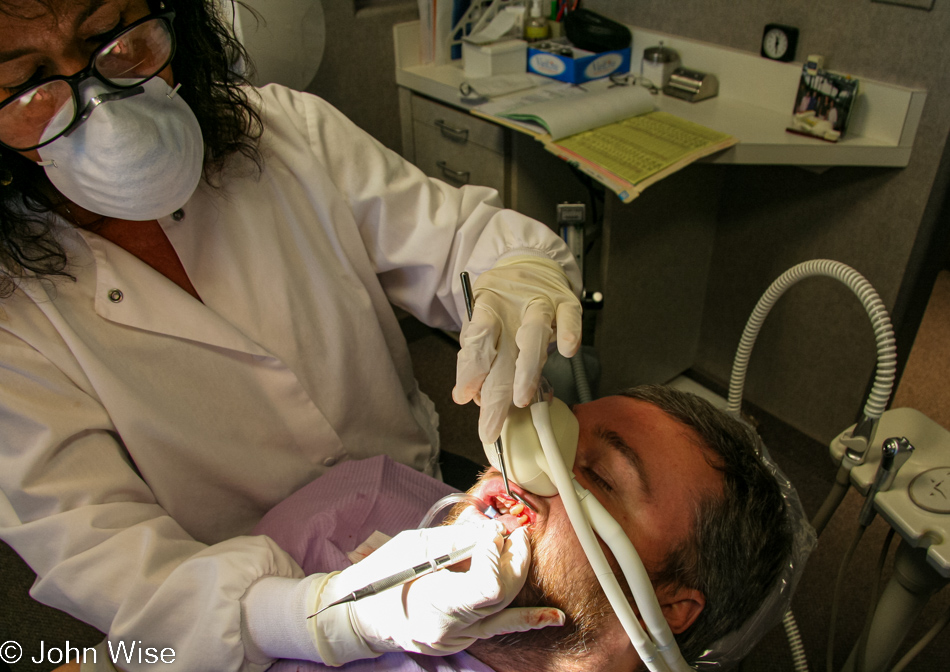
[(632, 154)]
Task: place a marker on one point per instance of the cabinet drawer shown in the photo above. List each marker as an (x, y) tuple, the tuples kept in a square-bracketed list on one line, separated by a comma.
[(458, 164), (458, 126)]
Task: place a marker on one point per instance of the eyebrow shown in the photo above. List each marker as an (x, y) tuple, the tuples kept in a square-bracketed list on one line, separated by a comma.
[(93, 7), (617, 442)]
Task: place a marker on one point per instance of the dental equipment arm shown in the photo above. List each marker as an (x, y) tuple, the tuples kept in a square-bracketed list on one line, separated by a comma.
[(862, 436)]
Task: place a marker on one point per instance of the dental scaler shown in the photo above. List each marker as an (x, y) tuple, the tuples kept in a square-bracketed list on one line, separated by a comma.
[(405, 576)]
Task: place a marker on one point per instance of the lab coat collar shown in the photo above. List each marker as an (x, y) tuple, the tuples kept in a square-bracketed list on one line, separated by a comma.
[(130, 292)]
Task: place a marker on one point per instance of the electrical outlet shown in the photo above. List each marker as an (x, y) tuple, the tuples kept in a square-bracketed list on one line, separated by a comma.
[(916, 4)]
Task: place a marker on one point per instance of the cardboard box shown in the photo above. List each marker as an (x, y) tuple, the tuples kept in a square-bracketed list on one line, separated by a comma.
[(550, 58), (506, 57)]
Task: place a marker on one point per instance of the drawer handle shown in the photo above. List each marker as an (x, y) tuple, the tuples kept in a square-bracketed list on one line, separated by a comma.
[(459, 135), (459, 176)]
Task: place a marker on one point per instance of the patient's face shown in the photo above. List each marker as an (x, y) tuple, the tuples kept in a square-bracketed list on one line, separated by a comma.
[(648, 471)]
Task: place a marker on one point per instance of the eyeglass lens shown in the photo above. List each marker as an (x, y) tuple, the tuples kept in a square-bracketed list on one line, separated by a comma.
[(46, 111)]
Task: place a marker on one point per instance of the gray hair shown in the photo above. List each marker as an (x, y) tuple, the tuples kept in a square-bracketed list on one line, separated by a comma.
[(739, 541)]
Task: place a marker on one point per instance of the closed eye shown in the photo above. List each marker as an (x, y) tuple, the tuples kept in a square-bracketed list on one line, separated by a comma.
[(35, 78), (594, 477)]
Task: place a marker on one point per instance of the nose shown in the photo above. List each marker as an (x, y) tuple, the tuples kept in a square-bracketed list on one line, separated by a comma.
[(96, 101)]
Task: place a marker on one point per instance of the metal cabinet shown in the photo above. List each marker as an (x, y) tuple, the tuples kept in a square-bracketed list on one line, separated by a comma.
[(453, 145), (457, 147)]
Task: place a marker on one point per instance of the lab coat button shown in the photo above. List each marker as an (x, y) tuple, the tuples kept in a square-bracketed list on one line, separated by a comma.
[(115, 295), (178, 215), (329, 462)]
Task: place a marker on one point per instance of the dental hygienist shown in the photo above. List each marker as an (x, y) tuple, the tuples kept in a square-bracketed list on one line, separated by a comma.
[(195, 322)]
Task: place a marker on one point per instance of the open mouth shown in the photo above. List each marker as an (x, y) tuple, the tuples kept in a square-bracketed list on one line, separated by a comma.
[(512, 513)]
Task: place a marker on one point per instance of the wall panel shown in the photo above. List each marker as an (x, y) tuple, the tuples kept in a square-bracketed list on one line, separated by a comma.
[(815, 357)]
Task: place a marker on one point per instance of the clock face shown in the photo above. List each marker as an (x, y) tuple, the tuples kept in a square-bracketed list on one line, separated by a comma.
[(775, 43), (779, 42)]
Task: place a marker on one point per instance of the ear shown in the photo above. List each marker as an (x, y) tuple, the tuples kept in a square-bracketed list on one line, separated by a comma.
[(681, 606)]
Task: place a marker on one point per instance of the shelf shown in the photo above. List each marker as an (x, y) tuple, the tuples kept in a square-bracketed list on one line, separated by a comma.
[(755, 102)]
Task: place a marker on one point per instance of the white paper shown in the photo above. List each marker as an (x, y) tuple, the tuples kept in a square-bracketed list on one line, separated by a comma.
[(503, 22), (501, 85), (592, 111)]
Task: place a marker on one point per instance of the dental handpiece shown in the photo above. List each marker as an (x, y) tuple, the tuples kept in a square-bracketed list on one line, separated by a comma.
[(405, 576), (894, 453), (499, 449)]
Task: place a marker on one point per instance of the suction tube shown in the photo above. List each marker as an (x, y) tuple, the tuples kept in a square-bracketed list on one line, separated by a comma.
[(452, 499), (565, 484), (863, 434), (636, 574), (883, 335)]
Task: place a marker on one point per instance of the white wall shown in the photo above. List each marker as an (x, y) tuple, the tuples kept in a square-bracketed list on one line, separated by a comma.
[(285, 39)]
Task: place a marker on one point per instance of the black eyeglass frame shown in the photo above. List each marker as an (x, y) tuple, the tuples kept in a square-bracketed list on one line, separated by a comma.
[(167, 16)]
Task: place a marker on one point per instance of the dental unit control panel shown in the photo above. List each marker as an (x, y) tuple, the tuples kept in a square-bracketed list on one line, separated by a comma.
[(917, 499)]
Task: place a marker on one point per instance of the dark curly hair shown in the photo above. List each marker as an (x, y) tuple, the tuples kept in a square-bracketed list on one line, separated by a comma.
[(229, 123)]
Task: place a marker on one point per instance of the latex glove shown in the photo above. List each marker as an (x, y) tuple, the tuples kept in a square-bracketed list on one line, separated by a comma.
[(520, 304), (438, 614)]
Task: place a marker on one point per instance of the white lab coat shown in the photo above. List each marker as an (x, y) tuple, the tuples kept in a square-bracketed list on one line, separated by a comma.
[(143, 432)]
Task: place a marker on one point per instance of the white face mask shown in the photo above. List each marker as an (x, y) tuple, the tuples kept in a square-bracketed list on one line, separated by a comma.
[(138, 158)]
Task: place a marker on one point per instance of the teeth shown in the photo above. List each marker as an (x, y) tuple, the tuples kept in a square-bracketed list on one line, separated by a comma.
[(507, 505), (505, 502)]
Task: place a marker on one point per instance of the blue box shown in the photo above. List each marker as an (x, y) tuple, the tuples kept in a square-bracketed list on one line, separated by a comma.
[(550, 58)]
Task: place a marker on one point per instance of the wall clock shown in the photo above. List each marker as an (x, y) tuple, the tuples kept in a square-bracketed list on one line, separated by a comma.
[(779, 42)]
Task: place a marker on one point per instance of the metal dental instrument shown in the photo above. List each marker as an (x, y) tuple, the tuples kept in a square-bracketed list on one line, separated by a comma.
[(404, 576), (894, 453), (499, 450)]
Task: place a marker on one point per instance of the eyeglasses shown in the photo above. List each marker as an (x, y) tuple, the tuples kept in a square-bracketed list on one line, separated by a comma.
[(53, 108)]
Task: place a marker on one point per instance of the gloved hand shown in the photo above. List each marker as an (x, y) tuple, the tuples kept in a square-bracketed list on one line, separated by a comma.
[(519, 304), (438, 614)]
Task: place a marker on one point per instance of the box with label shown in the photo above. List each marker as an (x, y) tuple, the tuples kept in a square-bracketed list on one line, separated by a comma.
[(506, 57), (560, 60)]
